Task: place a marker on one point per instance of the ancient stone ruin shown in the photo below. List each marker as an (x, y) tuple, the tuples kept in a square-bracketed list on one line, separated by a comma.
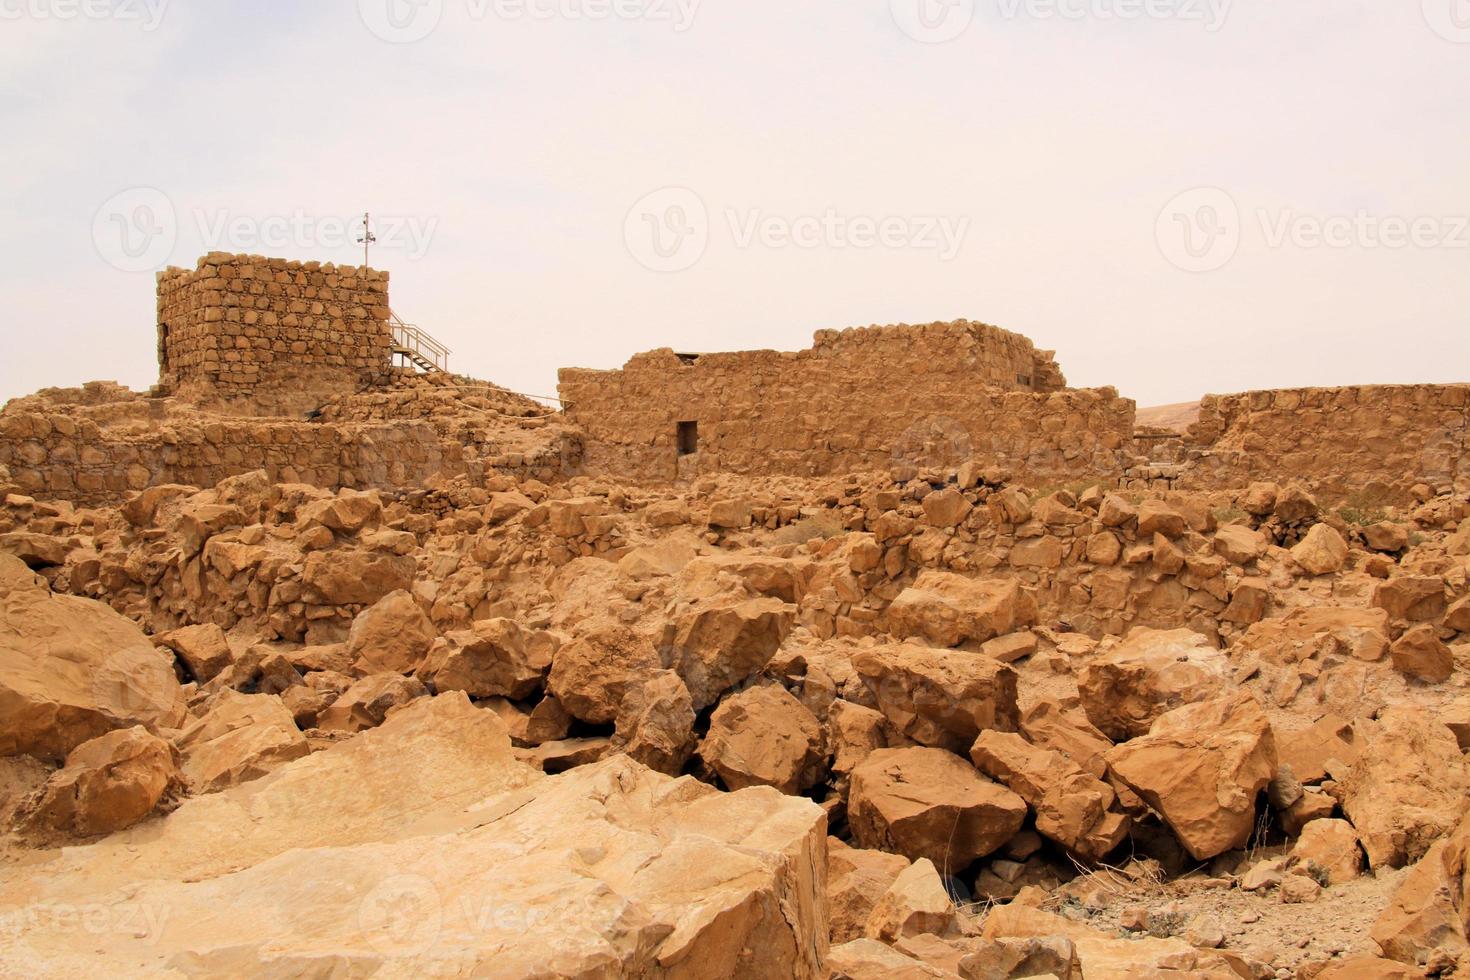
[(892, 657)]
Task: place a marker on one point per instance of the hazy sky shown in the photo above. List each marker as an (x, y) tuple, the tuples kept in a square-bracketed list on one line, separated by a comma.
[(1179, 196)]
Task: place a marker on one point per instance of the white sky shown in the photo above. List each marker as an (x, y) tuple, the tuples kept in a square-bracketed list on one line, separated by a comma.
[(521, 143)]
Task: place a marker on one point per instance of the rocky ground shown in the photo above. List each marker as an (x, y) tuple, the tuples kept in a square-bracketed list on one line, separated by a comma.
[(912, 724)]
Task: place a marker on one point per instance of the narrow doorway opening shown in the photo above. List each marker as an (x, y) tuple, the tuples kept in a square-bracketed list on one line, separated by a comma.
[(688, 438)]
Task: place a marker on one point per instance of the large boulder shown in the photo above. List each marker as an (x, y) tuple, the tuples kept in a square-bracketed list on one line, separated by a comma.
[(610, 870), (1427, 914), (765, 737), (655, 723), (203, 650), (107, 784), (720, 644), (1407, 787), (72, 669), (1201, 768), (368, 701), (915, 904), (1411, 598), (1321, 551), (929, 803), (856, 880), (355, 576), (494, 658), (939, 698), (1072, 807), (946, 609), (1150, 673), (1046, 723), (393, 634), (243, 737), (592, 675)]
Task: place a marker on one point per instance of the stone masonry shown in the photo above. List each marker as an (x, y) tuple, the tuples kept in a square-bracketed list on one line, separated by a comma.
[(261, 336)]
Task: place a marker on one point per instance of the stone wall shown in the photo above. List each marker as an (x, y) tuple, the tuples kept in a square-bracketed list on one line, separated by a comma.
[(61, 457), (862, 399), (1376, 441), (261, 336)]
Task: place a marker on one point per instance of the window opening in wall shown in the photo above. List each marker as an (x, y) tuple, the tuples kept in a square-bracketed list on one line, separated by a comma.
[(688, 438), (1024, 380)]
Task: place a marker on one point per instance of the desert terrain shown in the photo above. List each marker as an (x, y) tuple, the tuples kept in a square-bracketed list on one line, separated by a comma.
[(747, 665)]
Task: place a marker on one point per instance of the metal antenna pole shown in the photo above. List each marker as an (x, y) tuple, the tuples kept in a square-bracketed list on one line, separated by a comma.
[(367, 238)]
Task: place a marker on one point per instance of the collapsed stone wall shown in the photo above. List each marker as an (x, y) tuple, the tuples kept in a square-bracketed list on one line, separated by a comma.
[(1369, 441), (871, 398), (263, 336)]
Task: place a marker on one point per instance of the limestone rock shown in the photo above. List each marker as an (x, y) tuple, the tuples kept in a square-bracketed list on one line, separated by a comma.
[(1149, 673), (610, 870), (1407, 787), (1157, 517), (939, 698), (392, 634), (493, 658), (592, 674), (1411, 598), (107, 784), (948, 609), (655, 723), (1072, 807), (355, 576), (1425, 913), (1328, 851), (929, 803), (915, 904), (1322, 552), (1420, 654), (868, 959), (72, 669), (366, 703), (243, 737), (1201, 767), (763, 736), (1238, 544), (204, 650), (724, 643), (1317, 632), (856, 880), (1067, 730)]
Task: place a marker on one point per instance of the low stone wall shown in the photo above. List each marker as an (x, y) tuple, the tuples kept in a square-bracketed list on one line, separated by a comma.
[(61, 457), (932, 396), (1372, 440)]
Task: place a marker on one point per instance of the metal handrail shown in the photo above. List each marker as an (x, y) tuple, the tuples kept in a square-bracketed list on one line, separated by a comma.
[(409, 337)]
